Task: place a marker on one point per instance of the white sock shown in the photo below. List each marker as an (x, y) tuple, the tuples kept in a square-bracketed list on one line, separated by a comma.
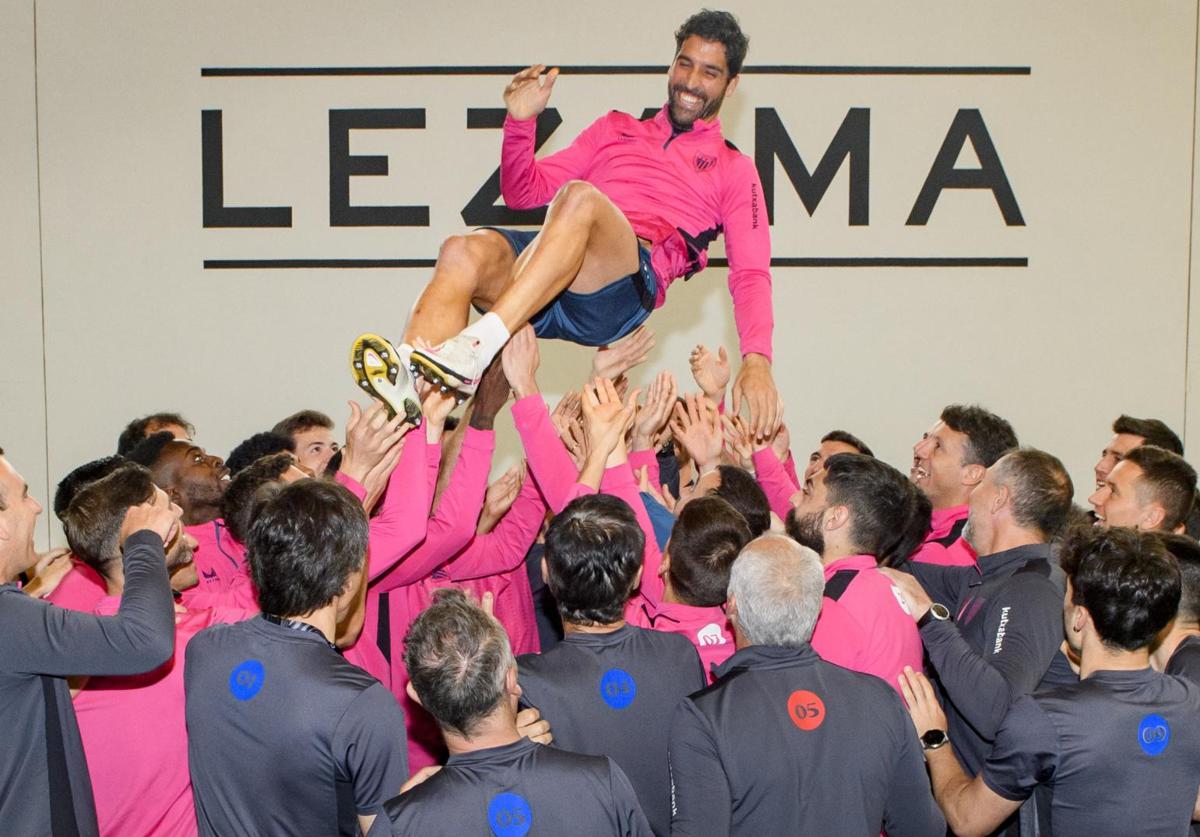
[(489, 330)]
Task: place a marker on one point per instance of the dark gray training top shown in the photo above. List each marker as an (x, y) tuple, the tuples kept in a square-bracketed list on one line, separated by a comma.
[(613, 694), (44, 783), (785, 743), (285, 736), (1119, 752), (515, 790)]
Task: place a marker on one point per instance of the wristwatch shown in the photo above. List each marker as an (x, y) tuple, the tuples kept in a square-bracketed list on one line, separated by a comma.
[(933, 739), (936, 611)]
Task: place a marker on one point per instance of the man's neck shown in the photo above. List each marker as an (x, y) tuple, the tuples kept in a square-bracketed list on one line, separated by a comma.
[(1165, 650), (836, 552), (323, 619), (497, 730), (1010, 537), (196, 515), (607, 628), (1096, 656)]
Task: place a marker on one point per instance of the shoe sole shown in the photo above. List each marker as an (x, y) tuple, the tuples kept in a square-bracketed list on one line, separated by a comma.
[(438, 374), (401, 401)]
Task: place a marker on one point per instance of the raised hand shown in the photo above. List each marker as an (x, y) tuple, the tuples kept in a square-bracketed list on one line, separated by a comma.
[(711, 372), (526, 95), (781, 443), (653, 416), (158, 515), (618, 358), (436, 406), (756, 386), (696, 425), (737, 441), (499, 498), (605, 416), (520, 360), (490, 396), (370, 437), (922, 703)]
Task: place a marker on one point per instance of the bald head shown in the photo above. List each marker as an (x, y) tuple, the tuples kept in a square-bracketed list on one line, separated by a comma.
[(775, 587)]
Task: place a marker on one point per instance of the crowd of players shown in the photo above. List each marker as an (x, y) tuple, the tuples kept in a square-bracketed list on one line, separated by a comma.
[(656, 624)]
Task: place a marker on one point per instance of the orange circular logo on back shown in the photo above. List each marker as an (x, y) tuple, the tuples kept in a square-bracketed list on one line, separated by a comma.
[(806, 710)]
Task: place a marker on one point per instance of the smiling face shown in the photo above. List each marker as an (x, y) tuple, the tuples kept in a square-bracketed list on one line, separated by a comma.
[(702, 487), (1116, 501), (18, 516), (816, 459), (314, 448), (937, 467), (698, 81), (1114, 452)]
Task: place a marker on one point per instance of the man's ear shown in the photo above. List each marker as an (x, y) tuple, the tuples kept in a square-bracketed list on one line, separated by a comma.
[(732, 86), (637, 580), (663, 566), (835, 518), (1151, 517), (412, 693), (511, 685), (973, 474), (1002, 499)]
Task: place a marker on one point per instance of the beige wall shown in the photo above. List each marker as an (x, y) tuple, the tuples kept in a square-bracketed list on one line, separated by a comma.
[(1097, 142), (22, 384)]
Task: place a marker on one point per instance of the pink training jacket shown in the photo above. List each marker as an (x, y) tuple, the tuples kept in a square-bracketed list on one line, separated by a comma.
[(222, 570), (80, 589), (864, 624), (678, 190), (944, 544)]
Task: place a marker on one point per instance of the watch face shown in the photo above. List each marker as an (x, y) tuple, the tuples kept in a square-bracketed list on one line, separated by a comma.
[(940, 611), (933, 739)]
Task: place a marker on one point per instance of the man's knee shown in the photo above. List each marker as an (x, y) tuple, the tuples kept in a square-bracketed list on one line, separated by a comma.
[(578, 197), (469, 255)]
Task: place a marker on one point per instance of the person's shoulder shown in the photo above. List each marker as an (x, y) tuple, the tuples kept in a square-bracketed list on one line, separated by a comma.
[(666, 641)]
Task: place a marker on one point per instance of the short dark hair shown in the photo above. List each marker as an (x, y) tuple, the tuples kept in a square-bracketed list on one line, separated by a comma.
[(848, 438), (1041, 489), (92, 521), (69, 485), (705, 540), (242, 496), (149, 451), (1153, 431), (1167, 479), (305, 542), (742, 491), (594, 548), (138, 429), (256, 447), (300, 421), (989, 437), (898, 549), (1126, 579), (457, 659), (717, 26), (877, 496), (1191, 526), (1187, 555)]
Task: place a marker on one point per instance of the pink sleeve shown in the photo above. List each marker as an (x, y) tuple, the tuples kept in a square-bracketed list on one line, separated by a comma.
[(404, 510), (774, 481), (620, 482), (433, 462), (789, 465), (453, 524), (526, 182), (548, 459), (748, 248), (353, 485), (503, 549), (639, 459)]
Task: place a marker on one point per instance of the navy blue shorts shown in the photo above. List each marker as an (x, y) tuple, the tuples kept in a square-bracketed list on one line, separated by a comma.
[(598, 318)]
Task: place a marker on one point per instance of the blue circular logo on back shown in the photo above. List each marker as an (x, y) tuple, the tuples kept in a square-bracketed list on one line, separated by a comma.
[(509, 815), (617, 688), (1154, 733), (246, 680)]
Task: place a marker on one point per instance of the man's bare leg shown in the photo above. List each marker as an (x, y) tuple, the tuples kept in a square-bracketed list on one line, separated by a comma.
[(471, 268), (585, 244)]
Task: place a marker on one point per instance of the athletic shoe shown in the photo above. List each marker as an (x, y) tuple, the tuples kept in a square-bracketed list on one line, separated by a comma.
[(379, 371), (456, 364)]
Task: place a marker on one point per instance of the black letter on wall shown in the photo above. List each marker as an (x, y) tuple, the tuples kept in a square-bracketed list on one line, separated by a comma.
[(342, 167), (852, 140), (481, 210), (216, 213), (967, 125)]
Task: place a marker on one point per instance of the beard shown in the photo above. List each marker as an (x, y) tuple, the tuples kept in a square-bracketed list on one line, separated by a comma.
[(806, 529), (181, 554), (683, 118)]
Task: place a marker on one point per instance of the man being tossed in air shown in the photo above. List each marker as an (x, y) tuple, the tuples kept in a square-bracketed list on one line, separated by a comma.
[(633, 206)]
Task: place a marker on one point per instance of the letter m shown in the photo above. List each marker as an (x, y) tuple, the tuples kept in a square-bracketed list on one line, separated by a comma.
[(851, 142)]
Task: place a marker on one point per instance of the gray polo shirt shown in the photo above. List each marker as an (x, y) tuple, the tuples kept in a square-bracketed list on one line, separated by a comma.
[(284, 736), (44, 782), (1119, 753), (785, 743), (515, 790)]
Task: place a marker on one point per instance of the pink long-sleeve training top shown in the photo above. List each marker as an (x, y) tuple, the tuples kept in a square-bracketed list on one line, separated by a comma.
[(677, 189)]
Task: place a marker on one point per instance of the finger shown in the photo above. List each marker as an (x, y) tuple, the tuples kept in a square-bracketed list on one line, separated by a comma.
[(906, 689), (355, 417), (723, 355), (669, 497), (737, 398), (487, 601), (551, 77)]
